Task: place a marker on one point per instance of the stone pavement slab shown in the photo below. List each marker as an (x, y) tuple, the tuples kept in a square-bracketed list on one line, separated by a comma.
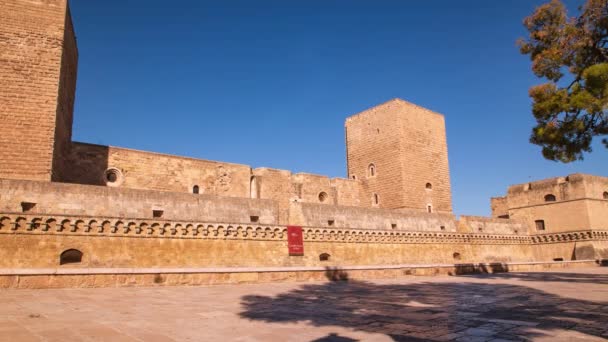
[(568, 305)]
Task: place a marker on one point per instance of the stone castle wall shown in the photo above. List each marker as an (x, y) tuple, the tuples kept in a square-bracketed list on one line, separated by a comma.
[(477, 224), (65, 100), (125, 208), (574, 202), (319, 215), (50, 198), (73, 199), (37, 78), (160, 172), (37, 241)]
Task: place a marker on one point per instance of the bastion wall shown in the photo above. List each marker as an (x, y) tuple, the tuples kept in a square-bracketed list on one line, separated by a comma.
[(577, 201), (37, 241)]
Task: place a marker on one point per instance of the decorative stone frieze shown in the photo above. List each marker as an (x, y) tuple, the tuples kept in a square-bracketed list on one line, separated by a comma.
[(13, 223)]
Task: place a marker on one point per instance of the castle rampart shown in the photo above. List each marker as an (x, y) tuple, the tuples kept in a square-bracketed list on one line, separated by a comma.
[(119, 212)]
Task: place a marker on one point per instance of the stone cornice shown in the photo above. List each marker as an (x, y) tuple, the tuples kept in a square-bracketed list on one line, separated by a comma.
[(20, 223)]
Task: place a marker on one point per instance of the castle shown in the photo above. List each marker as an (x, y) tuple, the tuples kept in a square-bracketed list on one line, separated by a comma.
[(78, 214)]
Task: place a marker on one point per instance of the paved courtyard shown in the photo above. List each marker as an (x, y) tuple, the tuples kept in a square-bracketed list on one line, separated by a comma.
[(569, 305)]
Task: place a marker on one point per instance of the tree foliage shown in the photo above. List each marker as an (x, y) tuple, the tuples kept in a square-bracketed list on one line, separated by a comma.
[(571, 53)]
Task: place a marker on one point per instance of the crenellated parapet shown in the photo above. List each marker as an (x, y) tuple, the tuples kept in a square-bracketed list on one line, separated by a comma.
[(18, 223)]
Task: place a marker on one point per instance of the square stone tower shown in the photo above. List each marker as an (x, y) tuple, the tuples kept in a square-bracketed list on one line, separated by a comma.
[(399, 152), (38, 61)]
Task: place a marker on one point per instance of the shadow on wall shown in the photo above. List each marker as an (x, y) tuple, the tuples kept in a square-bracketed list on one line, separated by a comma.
[(548, 276), (432, 310), (335, 274), (88, 164), (495, 267), (333, 337)]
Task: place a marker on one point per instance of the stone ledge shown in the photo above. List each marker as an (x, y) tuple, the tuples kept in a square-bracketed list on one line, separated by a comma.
[(186, 270)]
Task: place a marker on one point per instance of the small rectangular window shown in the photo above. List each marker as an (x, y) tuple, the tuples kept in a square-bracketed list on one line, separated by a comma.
[(429, 208), (330, 223), (254, 219), (393, 225), (157, 213), (540, 224)]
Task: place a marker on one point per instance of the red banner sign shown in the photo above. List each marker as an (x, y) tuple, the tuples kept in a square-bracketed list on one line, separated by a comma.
[(295, 240)]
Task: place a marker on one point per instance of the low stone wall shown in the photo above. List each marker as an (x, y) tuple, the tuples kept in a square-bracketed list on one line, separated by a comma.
[(117, 277), (47, 198), (334, 216), (478, 224)]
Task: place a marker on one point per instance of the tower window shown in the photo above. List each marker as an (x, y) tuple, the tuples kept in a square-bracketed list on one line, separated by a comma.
[(195, 189), (371, 170), (253, 187), (429, 186), (323, 196), (550, 198), (376, 199), (540, 224)]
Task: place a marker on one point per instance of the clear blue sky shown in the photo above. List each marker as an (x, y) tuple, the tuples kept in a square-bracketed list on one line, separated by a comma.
[(269, 83)]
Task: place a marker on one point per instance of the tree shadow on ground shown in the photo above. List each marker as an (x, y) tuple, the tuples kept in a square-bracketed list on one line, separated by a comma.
[(546, 277), (501, 271), (432, 310)]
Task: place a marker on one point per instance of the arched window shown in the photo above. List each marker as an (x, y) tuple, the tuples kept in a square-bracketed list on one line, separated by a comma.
[(195, 189), (550, 198), (371, 170), (376, 199), (323, 196), (324, 257), (606, 195), (253, 186), (70, 256), (429, 186)]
